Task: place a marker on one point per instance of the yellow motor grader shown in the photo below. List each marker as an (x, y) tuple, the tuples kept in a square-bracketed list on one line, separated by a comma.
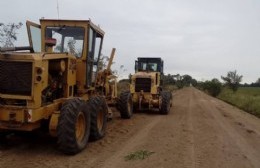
[(56, 80), (146, 92)]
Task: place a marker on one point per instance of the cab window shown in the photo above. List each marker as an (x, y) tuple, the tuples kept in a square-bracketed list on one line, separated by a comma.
[(94, 51), (148, 66), (67, 39)]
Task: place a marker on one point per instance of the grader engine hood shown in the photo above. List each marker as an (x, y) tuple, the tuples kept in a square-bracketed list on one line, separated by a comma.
[(16, 71), (27, 78), (144, 81)]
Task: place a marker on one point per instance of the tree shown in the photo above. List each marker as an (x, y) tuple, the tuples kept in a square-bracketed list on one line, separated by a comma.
[(187, 80), (213, 87), (255, 84), (103, 61), (168, 79), (8, 34), (232, 80), (177, 76), (119, 73), (194, 82)]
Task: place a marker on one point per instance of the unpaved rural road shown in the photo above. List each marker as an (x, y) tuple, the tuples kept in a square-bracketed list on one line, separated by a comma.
[(200, 132)]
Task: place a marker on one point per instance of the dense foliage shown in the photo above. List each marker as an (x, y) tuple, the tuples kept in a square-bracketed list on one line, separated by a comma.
[(212, 87), (179, 80)]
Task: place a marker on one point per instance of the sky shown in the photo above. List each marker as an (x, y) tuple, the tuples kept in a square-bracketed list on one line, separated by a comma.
[(202, 38)]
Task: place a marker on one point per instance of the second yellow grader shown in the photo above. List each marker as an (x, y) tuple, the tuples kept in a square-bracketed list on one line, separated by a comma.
[(146, 91)]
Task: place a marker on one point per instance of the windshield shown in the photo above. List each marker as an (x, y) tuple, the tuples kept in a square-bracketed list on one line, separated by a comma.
[(148, 66), (68, 39)]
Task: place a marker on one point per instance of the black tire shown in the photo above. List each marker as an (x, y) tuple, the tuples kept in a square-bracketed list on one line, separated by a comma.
[(166, 102), (126, 105), (73, 126), (98, 112)]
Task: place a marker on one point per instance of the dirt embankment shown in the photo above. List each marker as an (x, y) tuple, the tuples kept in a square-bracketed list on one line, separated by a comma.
[(200, 131)]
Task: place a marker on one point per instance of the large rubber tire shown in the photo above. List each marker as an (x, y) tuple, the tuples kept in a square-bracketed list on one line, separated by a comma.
[(98, 112), (73, 126), (166, 102), (126, 105)]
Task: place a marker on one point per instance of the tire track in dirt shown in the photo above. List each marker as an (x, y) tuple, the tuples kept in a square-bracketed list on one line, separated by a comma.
[(213, 145), (191, 128), (117, 159), (210, 142), (203, 133), (249, 152), (170, 138)]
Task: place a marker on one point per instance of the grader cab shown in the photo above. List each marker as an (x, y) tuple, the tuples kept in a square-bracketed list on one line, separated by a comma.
[(146, 92), (57, 80)]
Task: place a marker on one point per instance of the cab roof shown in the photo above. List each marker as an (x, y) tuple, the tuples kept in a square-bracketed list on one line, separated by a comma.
[(149, 58), (60, 22)]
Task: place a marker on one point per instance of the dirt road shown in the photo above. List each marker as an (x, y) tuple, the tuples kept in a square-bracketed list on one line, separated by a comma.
[(199, 132)]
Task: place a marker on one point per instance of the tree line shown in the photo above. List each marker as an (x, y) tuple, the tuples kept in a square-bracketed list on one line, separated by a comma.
[(253, 84), (214, 86)]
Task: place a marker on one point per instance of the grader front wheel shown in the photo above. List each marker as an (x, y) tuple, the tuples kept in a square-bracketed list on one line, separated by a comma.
[(73, 126), (126, 105)]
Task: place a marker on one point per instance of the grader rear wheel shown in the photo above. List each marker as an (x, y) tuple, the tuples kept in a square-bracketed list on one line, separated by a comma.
[(73, 126), (166, 102), (98, 109), (126, 105)]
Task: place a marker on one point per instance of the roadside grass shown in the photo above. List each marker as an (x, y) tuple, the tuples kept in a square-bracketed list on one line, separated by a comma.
[(138, 155), (246, 98)]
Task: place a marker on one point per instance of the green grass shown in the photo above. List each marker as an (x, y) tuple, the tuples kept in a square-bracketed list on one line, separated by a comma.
[(246, 98), (138, 155)]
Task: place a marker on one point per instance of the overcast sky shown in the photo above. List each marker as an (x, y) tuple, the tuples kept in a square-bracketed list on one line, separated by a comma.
[(202, 38)]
